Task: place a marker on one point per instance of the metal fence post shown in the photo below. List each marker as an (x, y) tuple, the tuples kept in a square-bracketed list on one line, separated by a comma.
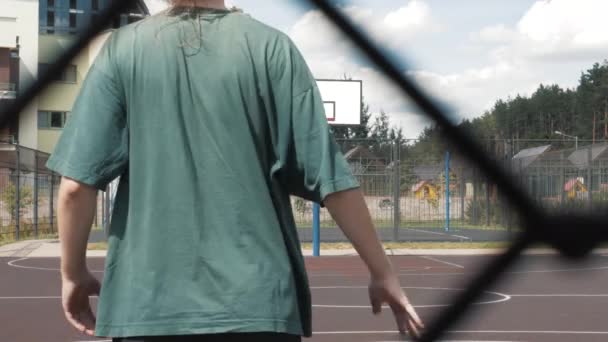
[(488, 211), (17, 192), (507, 206), (103, 211), (590, 177), (475, 199), (96, 218), (36, 194), (539, 187), (316, 229), (396, 193), (52, 191), (108, 211), (447, 191), (463, 193), (562, 178)]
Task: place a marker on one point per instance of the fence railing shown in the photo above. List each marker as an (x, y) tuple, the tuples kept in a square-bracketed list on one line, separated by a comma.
[(470, 206), (28, 204)]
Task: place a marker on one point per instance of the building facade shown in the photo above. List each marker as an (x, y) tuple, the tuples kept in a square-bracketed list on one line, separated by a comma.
[(32, 35)]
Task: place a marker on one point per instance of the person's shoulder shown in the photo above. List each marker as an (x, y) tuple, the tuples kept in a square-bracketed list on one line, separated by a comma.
[(148, 23), (260, 29)]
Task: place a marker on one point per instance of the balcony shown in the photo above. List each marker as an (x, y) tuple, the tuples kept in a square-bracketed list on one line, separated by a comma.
[(8, 91)]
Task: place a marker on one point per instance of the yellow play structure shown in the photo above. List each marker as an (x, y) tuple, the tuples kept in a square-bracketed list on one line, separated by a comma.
[(574, 188), (426, 190)]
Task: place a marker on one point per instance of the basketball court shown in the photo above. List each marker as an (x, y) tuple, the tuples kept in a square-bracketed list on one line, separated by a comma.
[(541, 299)]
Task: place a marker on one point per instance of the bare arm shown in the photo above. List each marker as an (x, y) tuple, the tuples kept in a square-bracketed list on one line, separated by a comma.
[(76, 210), (350, 212)]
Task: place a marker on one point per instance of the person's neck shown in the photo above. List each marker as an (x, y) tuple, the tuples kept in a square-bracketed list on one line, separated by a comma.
[(214, 4)]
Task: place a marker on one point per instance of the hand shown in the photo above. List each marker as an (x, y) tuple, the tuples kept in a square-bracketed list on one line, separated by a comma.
[(75, 300), (388, 290)]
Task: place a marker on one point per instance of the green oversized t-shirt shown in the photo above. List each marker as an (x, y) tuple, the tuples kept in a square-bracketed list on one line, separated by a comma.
[(211, 120)]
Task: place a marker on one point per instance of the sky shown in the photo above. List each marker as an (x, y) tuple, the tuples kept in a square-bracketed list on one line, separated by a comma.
[(466, 53)]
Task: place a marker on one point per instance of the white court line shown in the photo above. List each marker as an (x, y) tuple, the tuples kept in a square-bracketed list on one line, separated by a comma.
[(344, 273), (455, 341), (12, 263), (602, 268), (36, 297), (31, 297), (442, 262), (536, 332), (559, 295), (437, 233), (360, 287), (505, 297)]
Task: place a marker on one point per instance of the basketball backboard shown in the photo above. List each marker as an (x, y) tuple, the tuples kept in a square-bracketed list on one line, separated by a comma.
[(342, 100)]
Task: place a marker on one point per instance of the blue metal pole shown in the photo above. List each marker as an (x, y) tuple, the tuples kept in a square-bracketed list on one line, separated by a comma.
[(447, 191), (316, 229)]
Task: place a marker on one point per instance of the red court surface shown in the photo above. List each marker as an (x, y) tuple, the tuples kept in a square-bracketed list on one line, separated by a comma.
[(542, 299)]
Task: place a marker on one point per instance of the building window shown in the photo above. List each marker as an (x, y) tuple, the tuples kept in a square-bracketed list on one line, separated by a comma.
[(50, 18), (68, 75), (73, 20), (51, 120), (71, 16)]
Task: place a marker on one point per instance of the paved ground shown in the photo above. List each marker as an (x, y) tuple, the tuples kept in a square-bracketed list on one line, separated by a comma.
[(543, 300), (416, 235), (405, 235)]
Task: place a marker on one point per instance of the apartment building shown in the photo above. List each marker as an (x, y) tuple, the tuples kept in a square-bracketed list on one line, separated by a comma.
[(32, 35)]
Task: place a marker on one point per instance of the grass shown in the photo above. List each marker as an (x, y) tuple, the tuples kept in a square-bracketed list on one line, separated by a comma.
[(386, 224), (41, 236), (417, 245), (28, 234), (99, 246)]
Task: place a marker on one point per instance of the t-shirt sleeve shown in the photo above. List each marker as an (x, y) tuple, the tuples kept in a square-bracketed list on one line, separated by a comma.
[(93, 147), (313, 165)]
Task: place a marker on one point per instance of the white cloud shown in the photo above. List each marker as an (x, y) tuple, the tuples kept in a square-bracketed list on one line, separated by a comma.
[(551, 37), (581, 23), (415, 15), (554, 30), (495, 34), (471, 92)]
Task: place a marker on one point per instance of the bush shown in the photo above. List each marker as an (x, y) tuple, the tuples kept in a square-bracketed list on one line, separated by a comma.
[(385, 204), (480, 207), (577, 205), (9, 198), (301, 206)]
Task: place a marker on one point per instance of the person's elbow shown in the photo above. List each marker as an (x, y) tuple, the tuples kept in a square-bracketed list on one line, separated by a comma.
[(70, 189)]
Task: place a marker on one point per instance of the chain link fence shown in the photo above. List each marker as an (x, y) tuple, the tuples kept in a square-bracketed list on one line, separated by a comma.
[(28, 195), (411, 200)]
